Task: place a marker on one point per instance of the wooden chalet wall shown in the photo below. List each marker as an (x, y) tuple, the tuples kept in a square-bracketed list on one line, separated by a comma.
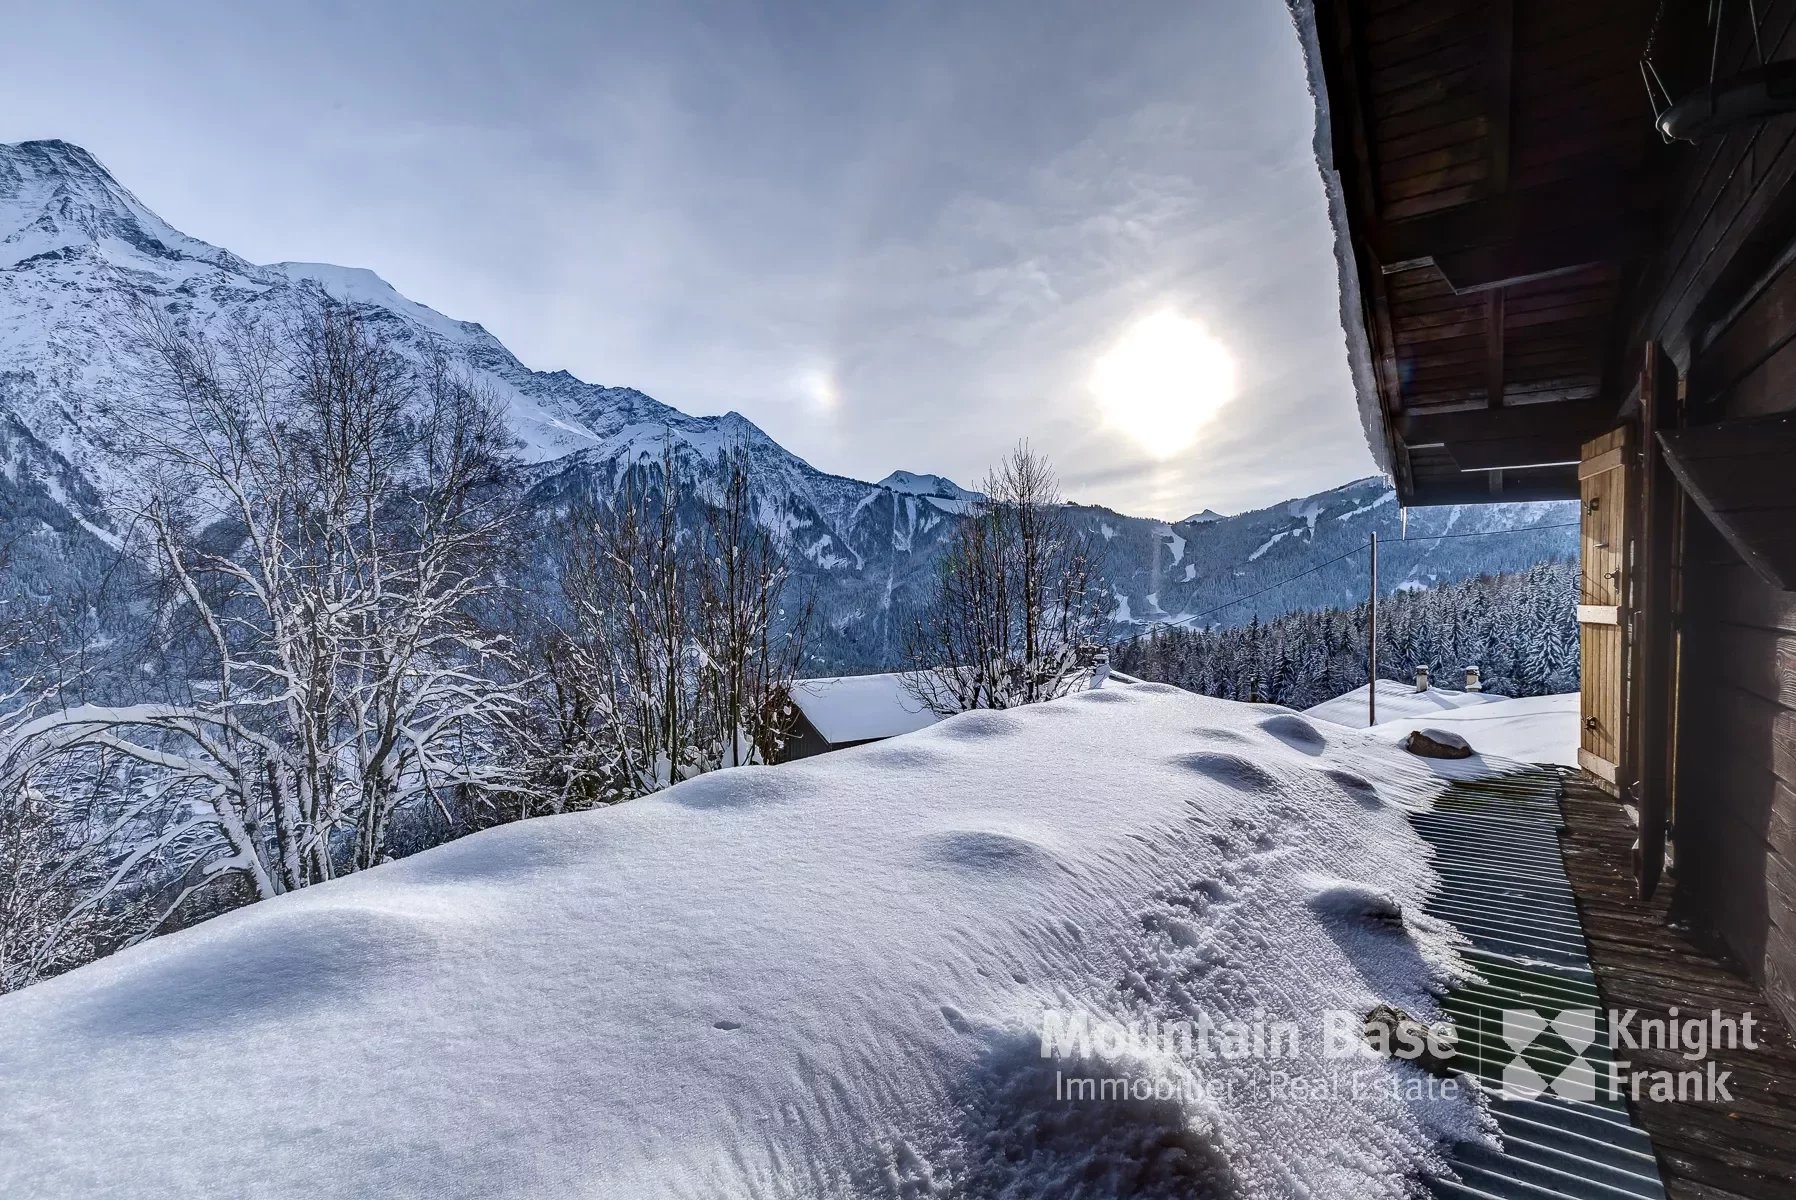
[(1716, 299), (1535, 269)]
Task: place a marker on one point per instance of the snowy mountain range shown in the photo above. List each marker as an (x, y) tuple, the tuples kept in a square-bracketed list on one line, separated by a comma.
[(75, 246)]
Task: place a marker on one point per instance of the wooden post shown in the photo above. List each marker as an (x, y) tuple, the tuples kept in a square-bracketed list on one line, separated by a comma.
[(1372, 640), (1421, 679), (1652, 694)]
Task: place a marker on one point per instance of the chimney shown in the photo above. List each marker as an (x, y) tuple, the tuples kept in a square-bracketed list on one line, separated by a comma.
[(1421, 679), (1472, 683)]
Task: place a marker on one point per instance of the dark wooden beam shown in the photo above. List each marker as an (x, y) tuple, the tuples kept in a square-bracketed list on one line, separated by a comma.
[(1547, 257), (1538, 451), (1493, 348), (1552, 422), (1501, 85), (1473, 487), (1653, 630), (1582, 203), (1517, 235), (1739, 474)]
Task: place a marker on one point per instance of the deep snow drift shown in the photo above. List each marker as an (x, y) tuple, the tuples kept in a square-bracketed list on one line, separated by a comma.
[(826, 978)]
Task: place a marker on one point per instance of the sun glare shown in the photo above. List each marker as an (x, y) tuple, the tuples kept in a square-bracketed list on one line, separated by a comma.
[(1162, 381), (818, 385)]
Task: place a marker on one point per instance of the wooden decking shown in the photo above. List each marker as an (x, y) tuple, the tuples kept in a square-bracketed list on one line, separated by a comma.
[(1707, 1149)]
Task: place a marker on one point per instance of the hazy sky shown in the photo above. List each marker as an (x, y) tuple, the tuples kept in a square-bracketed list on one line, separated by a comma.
[(892, 234)]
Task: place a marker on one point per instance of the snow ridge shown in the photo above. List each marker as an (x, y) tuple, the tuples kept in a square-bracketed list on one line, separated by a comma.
[(535, 1011)]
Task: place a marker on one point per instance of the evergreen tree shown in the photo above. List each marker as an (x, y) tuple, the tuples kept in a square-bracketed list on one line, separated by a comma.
[(1520, 629)]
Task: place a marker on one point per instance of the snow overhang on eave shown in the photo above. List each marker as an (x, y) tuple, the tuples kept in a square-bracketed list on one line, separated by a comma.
[(1353, 311)]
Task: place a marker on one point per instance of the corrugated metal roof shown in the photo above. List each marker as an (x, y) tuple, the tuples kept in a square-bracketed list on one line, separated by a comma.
[(1503, 885)]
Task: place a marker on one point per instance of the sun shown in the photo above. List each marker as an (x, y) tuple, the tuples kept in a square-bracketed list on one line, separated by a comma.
[(1162, 380)]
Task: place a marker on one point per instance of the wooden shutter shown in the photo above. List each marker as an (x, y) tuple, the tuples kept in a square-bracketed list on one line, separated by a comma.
[(1603, 494)]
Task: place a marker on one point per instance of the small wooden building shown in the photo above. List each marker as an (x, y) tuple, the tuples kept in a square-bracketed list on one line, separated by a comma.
[(1546, 299)]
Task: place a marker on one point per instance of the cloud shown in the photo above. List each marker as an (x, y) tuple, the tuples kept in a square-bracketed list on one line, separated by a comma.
[(934, 216)]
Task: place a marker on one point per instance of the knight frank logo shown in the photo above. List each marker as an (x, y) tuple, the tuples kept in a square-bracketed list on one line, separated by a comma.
[(1585, 1055), (1577, 1079)]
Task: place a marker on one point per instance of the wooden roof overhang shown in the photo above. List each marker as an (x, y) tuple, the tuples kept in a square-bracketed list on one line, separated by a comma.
[(1488, 160)]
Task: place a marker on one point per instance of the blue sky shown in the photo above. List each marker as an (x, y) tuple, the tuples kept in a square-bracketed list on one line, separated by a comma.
[(894, 235)]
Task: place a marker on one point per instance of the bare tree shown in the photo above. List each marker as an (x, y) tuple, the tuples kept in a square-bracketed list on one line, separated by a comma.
[(1017, 609), (679, 640), (627, 652), (55, 911), (325, 515), (752, 646), (53, 915)]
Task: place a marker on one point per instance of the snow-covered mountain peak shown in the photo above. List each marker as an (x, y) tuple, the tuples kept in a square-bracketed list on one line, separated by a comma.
[(360, 286), (1203, 518), (909, 483), (75, 243), (56, 196)]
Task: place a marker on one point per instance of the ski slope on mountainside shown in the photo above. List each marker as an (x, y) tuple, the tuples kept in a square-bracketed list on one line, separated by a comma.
[(828, 978)]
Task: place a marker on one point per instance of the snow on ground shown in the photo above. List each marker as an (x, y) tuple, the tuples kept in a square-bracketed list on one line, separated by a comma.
[(859, 708), (820, 979), (1538, 729), (1395, 700)]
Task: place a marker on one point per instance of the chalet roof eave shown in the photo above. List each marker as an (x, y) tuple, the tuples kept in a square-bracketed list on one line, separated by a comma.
[(1372, 416)]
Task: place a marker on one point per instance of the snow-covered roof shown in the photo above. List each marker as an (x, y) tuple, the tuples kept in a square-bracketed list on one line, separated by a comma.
[(861, 708), (825, 978), (1535, 729), (1395, 700), (1353, 321)]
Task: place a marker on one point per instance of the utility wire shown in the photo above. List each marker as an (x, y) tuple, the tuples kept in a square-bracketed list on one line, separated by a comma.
[(1435, 537)]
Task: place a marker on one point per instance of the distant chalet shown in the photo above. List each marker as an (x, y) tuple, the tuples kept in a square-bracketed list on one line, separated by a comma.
[(852, 710)]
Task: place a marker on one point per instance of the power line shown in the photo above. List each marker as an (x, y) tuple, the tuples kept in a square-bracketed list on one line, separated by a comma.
[(1435, 537)]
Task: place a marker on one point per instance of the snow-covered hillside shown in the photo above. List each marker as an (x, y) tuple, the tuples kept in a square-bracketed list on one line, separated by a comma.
[(75, 246), (1309, 553), (824, 979)]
